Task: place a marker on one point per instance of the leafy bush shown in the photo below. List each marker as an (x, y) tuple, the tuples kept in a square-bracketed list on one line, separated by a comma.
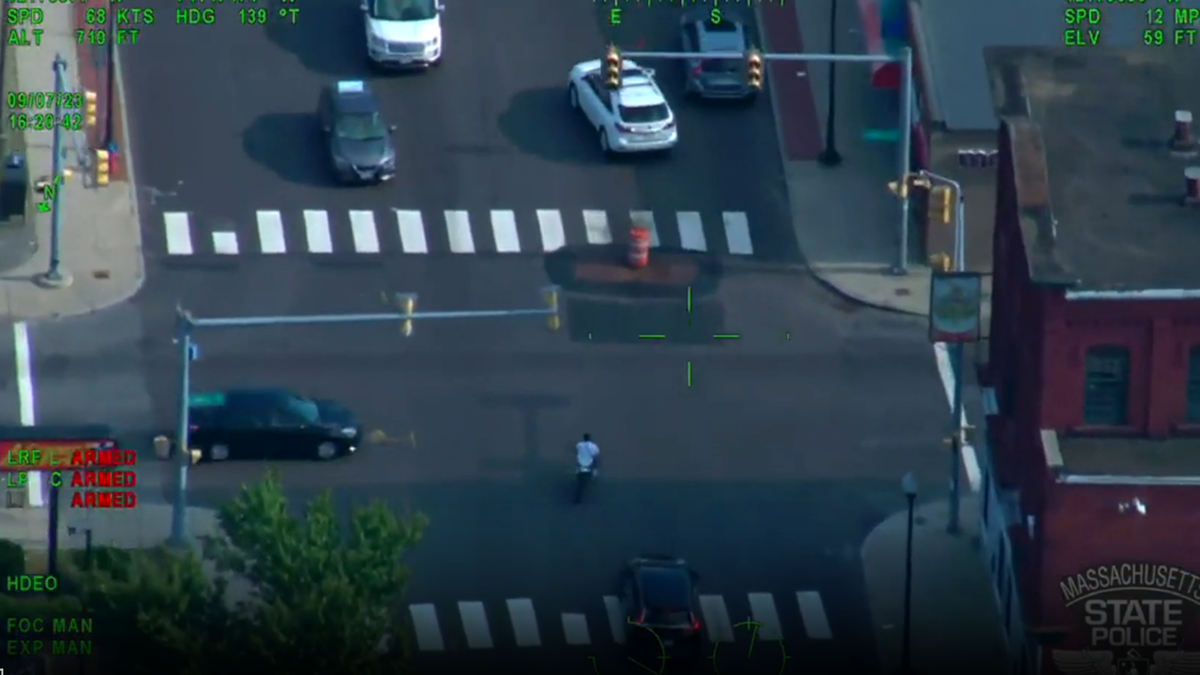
[(110, 559), (12, 558)]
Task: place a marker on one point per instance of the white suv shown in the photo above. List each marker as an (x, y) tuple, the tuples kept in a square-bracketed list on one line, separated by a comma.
[(403, 33)]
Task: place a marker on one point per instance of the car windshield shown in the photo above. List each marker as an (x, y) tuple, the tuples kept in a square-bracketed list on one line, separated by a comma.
[(644, 114), (360, 127), (304, 409), (403, 10)]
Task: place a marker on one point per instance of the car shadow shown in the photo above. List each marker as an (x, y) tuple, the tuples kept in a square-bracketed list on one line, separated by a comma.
[(289, 145), (309, 37)]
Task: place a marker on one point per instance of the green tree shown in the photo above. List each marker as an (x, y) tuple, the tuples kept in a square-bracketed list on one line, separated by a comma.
[(323, 598)]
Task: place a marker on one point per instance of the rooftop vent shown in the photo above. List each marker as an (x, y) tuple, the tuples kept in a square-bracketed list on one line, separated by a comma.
[(1183, 142), (1191, 183), (977, 158)]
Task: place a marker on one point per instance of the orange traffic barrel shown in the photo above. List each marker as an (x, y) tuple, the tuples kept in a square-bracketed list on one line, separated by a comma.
[(639, 247)]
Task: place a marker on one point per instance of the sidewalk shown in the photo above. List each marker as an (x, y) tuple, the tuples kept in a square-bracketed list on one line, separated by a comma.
[(955, 623), (847, 223), (145, 526), (101, 236)]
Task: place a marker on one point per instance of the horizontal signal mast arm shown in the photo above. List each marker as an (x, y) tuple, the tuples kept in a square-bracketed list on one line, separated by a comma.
[(766, 56)]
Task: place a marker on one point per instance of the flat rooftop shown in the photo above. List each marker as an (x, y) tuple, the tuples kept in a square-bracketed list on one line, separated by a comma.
[(952, 36), (1132, 457), (1100, 193)]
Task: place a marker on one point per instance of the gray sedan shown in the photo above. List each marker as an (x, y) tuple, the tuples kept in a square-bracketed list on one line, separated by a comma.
[(710, 31)]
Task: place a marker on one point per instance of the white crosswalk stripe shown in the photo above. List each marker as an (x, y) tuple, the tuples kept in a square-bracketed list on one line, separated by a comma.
[(458, 227), (225, 243), (362, 227), (368, 232), (504, 228), (516, 623), (524, 622), (179, 234), (812, 612), (270, 232), (316, 232), (550, 224), (412, 231), (691, 231), (475, 625)]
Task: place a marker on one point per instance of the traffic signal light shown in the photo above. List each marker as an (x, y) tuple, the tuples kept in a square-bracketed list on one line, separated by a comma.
[(612, 67), (91, 107), (754, 69), (941, 203), (195, 455), (408, 305), (102, 162), (550, 295)]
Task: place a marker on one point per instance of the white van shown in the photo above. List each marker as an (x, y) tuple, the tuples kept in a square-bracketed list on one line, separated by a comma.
[(403, 33)]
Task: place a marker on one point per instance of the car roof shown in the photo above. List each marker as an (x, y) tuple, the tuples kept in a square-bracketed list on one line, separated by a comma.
[(233, 397), (727, 36), (640, 90), (353, 96)]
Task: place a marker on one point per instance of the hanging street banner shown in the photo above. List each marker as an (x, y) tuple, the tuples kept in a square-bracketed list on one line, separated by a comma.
[(955, 307)]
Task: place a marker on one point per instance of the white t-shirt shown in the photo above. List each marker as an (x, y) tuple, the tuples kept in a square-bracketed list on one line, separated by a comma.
[(586, 453)]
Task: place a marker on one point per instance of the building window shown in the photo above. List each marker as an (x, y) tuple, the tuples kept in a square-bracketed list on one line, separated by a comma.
[(1193, 386), (1106, 387)]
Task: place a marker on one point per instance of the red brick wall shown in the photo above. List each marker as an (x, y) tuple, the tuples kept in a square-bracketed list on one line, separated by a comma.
[(1159, 336), (1082, 528)]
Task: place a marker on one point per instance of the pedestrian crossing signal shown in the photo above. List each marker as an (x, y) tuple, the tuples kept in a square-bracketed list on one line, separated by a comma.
[(941, 203), (613, 66), (754, 69), (91, 107)]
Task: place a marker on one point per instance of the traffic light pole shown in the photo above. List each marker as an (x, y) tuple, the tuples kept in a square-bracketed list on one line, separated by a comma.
[(957, 351), (186, 325), (904, 157), (55, 276)]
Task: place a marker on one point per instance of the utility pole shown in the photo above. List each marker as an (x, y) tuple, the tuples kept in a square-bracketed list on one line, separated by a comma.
[(830, 157), (903, 157), (56, 276), (186, 324), (110, 141)]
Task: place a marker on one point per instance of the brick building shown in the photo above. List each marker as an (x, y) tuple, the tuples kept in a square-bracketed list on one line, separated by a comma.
[(1091, 518)]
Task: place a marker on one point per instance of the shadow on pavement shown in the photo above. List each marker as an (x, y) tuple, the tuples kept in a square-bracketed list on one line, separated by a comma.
[(661, 324), (540, 122), (18, 243), (309, 38), (290, 146)]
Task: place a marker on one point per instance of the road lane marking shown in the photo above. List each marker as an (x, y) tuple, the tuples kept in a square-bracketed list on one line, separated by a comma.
[(458, 227), (551, 225), (362, 226), (595, 223), (691, 231), (316, 232), (575, 629), (225, 243), (616, 618), (504, 229), (26, 403), (270, 232), (524, 622), (646, 219), (812, 611), (716, 618), (179, 233), (762, 609), (475, 625), (412, 231), (970, 458), (737, 233), (425, 625)]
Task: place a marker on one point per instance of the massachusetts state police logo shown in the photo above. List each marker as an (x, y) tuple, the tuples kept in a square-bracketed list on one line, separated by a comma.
[(1134, 615)]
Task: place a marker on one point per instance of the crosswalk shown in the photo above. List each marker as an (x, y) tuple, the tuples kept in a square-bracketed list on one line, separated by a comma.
[(410, 232), (476, 626)]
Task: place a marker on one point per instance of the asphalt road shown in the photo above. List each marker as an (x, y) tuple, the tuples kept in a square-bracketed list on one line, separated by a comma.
[(489, 129)]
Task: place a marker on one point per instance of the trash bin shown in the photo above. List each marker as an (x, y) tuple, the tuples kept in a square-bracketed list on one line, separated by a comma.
[(14, 187)]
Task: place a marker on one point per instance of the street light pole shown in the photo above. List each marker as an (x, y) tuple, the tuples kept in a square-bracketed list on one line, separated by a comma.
[(909, 485), (830, 157)]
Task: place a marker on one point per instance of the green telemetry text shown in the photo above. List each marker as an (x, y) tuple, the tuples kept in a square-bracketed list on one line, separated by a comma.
[(67, 636), (715, 16)]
